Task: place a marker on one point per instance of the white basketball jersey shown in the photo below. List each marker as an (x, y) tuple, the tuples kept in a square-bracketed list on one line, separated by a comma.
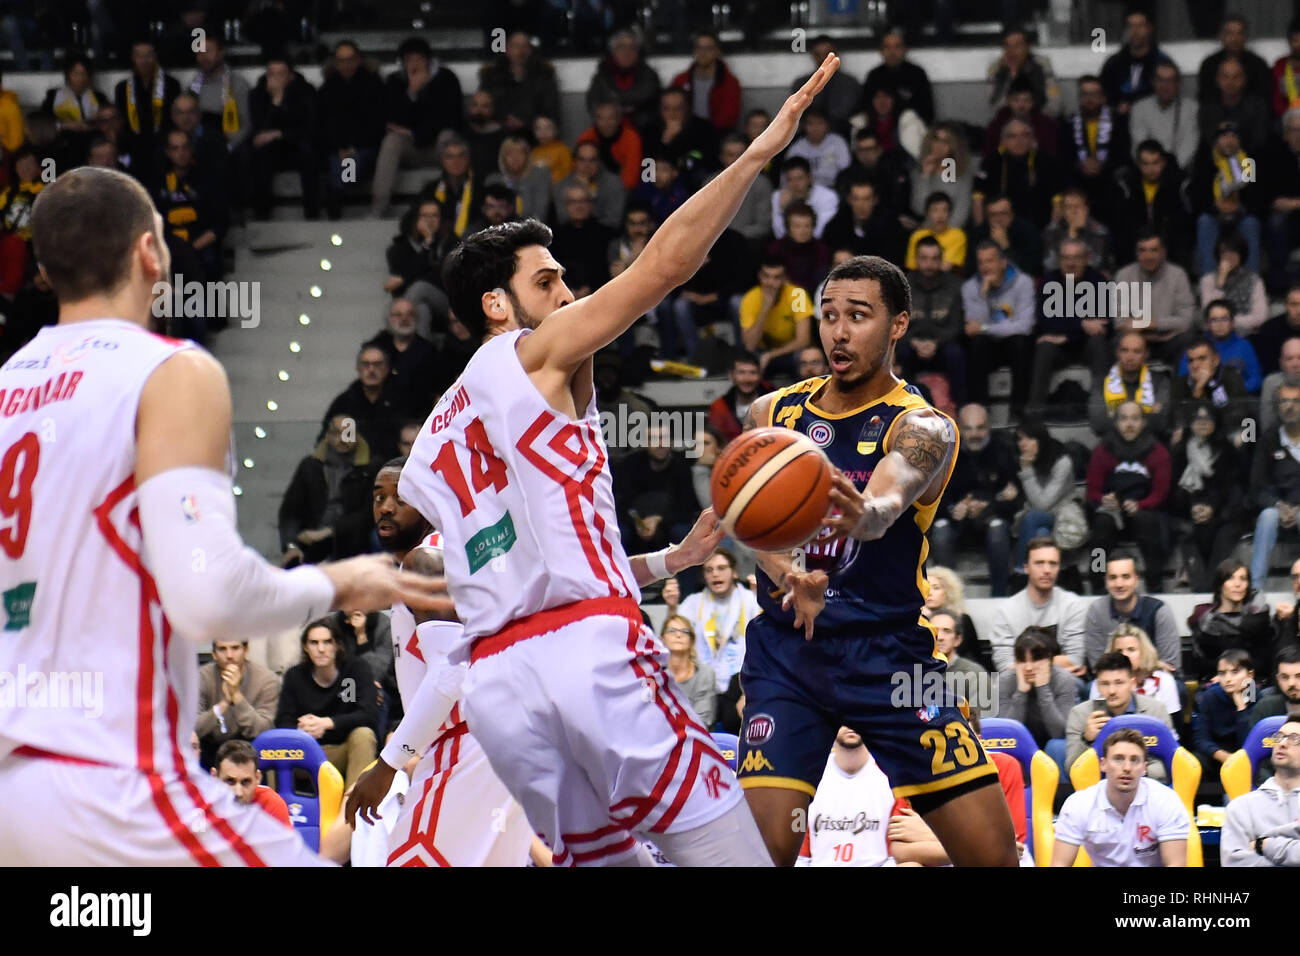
[(523, 496), (848, 819), (89, 666), (413, 655)]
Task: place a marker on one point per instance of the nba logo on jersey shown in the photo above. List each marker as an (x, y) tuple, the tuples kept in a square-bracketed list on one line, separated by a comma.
[(190, 508), (870, 436), (928, 714)]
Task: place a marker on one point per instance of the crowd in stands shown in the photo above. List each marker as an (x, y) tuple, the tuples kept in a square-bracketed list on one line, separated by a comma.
[(1141, 235)]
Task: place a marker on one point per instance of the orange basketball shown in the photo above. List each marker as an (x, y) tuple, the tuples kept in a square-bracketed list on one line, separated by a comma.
[(772, 488)]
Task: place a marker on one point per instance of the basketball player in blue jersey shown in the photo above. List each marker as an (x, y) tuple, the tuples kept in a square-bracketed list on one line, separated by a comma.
[(862, 579)]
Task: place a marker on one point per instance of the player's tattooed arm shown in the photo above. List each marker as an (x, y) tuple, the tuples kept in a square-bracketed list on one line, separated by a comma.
[(427, 561), (916, 461), (758, 412)]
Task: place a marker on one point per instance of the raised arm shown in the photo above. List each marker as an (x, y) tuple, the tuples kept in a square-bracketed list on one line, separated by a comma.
[(913, 467), (672, 256)]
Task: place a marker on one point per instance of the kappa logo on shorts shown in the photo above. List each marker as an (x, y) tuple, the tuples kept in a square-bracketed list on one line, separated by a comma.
[(755, 761), (759, 729)]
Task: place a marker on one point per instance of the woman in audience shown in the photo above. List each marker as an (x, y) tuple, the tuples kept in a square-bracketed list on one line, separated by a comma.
[(1233, 280), (1222, 721), (944, 142), (1206, 493), (947, 591), (331, 697), (532, 184), (415, 264), (1134, 643), (1038, 693), (1047, 477), (1237, 617), (696, 679)]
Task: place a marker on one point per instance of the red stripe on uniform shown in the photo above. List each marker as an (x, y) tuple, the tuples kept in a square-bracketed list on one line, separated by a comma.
[(571, 491), (593, 836), (144, 692), (621, 847), (552, 619), (589, 492)]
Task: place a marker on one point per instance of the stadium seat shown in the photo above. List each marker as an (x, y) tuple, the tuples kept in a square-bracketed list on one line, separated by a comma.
[(311, 811), (1184, 769), (1013, 738), (1238, 771), (729, 744)]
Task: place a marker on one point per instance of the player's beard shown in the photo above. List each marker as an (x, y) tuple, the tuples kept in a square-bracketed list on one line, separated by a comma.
[(405, 539), (844, 746)]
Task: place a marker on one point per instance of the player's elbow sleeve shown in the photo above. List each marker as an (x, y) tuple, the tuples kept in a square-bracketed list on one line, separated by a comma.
[(211, 585)]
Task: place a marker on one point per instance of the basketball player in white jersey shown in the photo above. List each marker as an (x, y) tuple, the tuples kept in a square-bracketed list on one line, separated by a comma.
[(848, 819), (567, 690), (117, 522), (456, 811)]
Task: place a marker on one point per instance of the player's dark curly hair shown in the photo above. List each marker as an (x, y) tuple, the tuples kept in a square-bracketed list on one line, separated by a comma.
[(486, 261), (893, 284)]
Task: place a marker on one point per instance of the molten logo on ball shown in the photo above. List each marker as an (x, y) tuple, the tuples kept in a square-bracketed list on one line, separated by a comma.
[(743, 459)]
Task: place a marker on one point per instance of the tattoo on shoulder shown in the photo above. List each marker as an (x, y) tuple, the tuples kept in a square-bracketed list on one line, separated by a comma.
[(923, 442), (752, 416), (424, 561)]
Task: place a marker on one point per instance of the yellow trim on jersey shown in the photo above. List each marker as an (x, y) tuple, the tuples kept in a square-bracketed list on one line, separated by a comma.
[(807, 385), (778, 783), (924, 622), (947, 783), (898, 384)]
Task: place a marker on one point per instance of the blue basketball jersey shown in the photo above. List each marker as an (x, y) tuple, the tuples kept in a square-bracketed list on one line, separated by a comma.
[(871, 582)]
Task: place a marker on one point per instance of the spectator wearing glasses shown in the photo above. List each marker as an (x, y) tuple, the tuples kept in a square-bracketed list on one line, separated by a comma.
[(1262, 827), (371, 404), (1166, 117), (695, 678), (1125, 820), (1236, 353)]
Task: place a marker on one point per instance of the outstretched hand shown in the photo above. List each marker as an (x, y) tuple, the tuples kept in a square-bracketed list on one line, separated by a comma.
[(702, 540), (806, 593), (785, 124)]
